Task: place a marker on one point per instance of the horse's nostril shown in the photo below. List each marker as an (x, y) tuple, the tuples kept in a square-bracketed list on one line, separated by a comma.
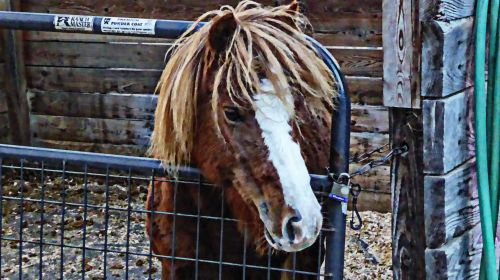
[(292, 229)]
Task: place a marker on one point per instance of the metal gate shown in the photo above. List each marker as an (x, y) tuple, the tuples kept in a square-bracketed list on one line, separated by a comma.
[(76, 215)]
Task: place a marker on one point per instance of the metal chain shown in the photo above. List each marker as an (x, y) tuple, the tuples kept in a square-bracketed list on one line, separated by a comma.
[(379, 161)]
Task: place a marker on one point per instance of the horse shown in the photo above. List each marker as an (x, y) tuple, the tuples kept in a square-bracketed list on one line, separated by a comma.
[(247, 99)]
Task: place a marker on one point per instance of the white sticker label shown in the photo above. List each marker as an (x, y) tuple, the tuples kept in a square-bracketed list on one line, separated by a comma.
[(74, 23), (128, 25)]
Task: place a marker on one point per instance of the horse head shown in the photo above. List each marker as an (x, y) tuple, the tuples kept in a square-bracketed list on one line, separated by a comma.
[(234, 99)]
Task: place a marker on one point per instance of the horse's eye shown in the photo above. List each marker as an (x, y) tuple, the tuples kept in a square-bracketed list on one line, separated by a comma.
[(233, 114)]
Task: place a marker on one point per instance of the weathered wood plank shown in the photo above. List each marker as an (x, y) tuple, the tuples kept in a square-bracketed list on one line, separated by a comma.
[(451, 205), (446, 56), (105, 131), (15, 81), (448, 137), (126, 150), (374, 201), (142, 106), (94, 105), (4, 128), (3, 101), (458, 259), (375, 180), (359, 62), (92, 80), (353, 37), (401, 53), (407, 187), (365, 90), (369, 119), (359, 22), (446, 10)]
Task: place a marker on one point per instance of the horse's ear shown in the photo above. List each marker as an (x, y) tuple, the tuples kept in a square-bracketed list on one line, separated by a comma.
[(295, 7), (221, 32)]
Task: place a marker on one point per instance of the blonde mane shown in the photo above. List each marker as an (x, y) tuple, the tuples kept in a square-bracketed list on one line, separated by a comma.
[(265, 40)]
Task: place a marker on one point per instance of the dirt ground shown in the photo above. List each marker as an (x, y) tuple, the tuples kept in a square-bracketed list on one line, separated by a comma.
[(368, 252)]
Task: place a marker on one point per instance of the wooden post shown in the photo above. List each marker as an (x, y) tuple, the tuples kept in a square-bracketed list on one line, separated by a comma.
[(427, 62), (401, 41), (15, 82)]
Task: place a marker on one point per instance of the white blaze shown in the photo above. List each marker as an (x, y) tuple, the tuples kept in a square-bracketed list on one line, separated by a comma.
[(274, 121)]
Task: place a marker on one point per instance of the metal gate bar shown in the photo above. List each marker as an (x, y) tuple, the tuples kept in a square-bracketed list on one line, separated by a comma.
[(172, 29)]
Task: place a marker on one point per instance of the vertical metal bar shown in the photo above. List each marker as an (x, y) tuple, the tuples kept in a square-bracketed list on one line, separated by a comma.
[(245, 252), (106, 223), (176, 184), (198, 213), (294, 264), (21, 219), (63, 210), (221, 244), (1, 212), (129, 208), (42, 220), (151, 225), (84, 226)]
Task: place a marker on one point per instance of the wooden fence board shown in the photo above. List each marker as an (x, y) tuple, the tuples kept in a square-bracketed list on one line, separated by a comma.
[(92, 80), (3, 101), (446, 57), (351, 24), (127, 150), (142, 106), (4, 128), (446, 10), (358, 62), (94, 105), (374, 201), (370, 119), (448, 139), (68, 79), (106, 131), (365, 90)]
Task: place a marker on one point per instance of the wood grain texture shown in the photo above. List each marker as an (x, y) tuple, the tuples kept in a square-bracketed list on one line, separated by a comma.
[(91, 130), (92, 79), (4, 128), (3, 101), (451, 205), (126, 150), (359, 22), (15, 81), (407, 187), (448, 138), (142, 106), (363, 62), (376, 180), (374, 201), (369, 119), (401, 53), (69, 79), (446, 10), (458, 259), (446, 56), (365, 90), (94, 105)]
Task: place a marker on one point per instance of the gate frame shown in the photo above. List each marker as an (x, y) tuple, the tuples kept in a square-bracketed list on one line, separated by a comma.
[(172, 29)]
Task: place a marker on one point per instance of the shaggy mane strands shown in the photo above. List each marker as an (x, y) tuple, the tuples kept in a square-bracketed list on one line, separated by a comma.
[(266, 41)]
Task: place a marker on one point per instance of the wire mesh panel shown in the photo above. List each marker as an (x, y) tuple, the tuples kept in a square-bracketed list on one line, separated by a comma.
[(67, 220)]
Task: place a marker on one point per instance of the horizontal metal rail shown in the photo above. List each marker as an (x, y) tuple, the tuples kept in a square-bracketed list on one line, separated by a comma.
[(318, 182)]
